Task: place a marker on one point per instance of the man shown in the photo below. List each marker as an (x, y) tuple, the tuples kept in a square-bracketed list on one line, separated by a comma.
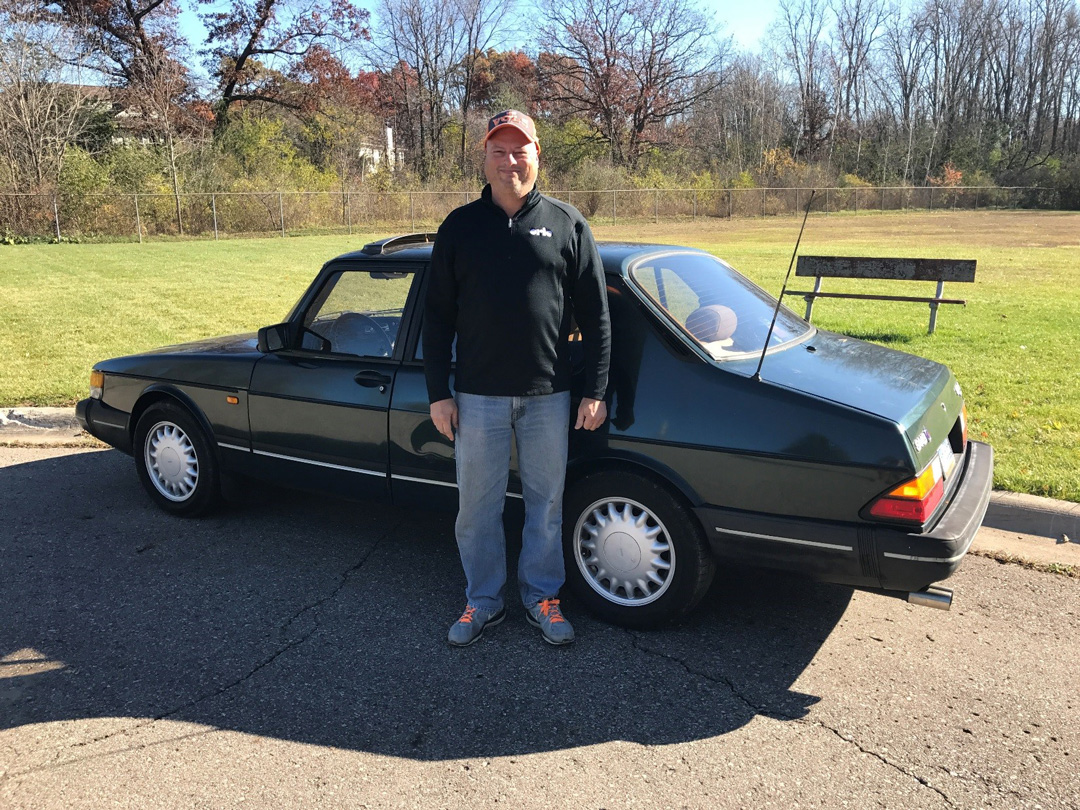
[(508, 273)]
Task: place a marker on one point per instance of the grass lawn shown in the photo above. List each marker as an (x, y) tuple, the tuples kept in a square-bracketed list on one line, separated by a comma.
[(1014, 347)]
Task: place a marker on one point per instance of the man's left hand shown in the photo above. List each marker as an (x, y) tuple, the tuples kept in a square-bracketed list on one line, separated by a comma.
[(591, 414)]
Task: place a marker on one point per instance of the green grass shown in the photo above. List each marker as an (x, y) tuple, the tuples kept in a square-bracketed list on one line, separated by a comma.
[(1014, 347)]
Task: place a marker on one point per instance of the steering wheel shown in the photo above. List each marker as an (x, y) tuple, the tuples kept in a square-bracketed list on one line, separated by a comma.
[(360, 334)]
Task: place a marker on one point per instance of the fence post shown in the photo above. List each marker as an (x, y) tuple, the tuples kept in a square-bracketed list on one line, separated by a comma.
[(976, 200), (614, 212), (729, 208), (138, 219), (763, 203), (695, 203), (856, 199), (797, 206), (412, 214), (348, 211), (56, 216), (656, 206), (281, 212), (826, 200), (213, 207), (569, 197), (931, 206)]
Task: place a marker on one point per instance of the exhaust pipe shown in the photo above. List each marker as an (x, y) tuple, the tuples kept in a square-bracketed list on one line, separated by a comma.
[(933, 596)]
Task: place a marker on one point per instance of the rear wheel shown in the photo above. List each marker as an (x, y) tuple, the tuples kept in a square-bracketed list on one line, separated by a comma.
[(634, 554), (175, 462)]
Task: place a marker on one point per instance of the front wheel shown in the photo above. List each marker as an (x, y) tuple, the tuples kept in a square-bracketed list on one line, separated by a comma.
[(175, 462), (634, 554)]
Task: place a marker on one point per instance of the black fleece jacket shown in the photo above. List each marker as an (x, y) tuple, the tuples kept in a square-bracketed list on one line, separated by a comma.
[(507, 288)]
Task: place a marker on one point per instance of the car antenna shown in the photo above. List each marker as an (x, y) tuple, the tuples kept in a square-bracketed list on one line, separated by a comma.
[(794, 253)]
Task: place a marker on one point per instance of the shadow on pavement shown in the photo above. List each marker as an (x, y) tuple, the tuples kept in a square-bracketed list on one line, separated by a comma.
[(324, 622)]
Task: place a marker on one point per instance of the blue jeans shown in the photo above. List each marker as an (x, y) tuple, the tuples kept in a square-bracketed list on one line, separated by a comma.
[(539, 425)]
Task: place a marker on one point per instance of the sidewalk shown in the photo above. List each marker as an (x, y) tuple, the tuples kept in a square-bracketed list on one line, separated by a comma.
[(1033, 529)]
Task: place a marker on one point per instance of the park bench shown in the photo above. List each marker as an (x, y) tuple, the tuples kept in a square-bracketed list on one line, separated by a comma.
[(939, 270)]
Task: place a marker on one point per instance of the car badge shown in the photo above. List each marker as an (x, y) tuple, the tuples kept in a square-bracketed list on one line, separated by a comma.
[(922, 440), (944, 407), (540, 232)]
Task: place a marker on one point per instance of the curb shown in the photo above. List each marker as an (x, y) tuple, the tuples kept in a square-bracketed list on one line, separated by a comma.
[(1042, 530)]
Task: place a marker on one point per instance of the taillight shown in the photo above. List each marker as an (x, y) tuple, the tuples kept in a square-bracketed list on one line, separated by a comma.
[(963, 426), (913, 500)]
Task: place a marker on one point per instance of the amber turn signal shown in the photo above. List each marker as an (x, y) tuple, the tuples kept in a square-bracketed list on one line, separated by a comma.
[(232, 400), (97, 383)]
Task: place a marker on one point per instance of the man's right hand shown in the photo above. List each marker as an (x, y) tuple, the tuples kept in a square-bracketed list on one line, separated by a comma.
[(444, 415)]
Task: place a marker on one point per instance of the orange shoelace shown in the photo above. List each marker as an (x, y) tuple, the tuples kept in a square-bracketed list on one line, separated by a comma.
[(466, 617), (550, 608)]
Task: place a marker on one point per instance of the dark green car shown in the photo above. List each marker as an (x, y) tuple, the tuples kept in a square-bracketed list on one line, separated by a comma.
[(842, 460)]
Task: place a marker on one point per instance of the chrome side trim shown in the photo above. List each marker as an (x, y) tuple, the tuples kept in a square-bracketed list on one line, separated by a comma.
[(103, 423), (830, 546), (443, 484), (925, 559), (321, 463), (424, 480), (234, 447)]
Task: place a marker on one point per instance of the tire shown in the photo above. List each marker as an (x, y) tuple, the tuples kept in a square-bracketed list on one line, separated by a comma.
[(635, 555), (175, 461)]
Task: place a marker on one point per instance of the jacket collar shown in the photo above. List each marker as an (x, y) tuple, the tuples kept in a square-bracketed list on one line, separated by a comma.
[(531, 199)]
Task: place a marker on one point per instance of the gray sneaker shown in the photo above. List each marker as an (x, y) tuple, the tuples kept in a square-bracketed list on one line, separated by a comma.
[(471, 625), (553, 625)]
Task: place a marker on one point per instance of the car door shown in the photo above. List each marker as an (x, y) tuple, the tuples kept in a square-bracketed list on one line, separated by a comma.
[(319, 409)]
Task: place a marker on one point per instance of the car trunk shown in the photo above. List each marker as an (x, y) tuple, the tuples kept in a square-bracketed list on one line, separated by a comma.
[(919, 395)]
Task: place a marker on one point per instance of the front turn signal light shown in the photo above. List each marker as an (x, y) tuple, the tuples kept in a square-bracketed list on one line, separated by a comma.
[(97, 383)]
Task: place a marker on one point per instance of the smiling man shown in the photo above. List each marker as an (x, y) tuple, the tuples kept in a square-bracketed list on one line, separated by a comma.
[(509, 273)]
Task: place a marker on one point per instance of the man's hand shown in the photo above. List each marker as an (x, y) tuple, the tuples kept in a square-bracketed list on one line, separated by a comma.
[(590, 414), (444, 415)]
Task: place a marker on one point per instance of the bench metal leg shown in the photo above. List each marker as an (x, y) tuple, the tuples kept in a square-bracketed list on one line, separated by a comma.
[(810, 298), (934, 306)]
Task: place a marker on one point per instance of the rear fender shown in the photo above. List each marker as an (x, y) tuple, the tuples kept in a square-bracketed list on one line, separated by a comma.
[(643, 465)]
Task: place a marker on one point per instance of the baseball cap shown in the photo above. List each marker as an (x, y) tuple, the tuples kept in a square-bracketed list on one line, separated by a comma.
[(512, 118)]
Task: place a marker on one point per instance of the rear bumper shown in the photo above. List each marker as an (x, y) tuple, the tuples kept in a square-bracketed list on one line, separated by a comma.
[(861, 554), (937, 554), (104, 423)]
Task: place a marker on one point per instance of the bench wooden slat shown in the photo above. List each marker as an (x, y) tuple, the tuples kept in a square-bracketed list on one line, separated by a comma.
[(898, 269), (808, 294)]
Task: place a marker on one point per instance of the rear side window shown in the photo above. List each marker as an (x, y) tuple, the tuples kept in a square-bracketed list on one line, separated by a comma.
[(717, 307)]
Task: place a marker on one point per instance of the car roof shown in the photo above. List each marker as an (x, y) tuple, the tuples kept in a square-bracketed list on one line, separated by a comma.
[(417, 247)]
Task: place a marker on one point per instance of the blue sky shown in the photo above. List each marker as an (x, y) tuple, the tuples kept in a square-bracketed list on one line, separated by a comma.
[(745, 21)]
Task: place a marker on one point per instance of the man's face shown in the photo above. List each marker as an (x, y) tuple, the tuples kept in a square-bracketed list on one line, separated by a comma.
[(511, 162)]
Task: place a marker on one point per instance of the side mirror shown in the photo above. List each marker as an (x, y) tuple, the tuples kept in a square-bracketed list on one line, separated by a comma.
[(275, 338)]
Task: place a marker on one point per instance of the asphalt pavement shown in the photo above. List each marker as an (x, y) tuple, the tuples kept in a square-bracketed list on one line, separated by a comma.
[(290, 651)]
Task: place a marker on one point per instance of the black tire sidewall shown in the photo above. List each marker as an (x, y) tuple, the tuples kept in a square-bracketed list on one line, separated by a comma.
[(693, 564), (207, 488)]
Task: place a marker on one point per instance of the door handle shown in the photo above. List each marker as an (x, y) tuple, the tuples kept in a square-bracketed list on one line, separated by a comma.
[(373, 379)]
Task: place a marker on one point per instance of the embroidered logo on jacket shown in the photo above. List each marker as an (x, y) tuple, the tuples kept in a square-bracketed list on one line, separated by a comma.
[(540, 232)]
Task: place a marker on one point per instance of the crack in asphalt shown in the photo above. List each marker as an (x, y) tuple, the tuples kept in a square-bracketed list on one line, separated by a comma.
[(283, 630), (776, 714)]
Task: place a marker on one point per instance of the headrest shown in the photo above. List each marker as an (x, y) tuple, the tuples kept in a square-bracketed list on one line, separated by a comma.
[(712, 323)]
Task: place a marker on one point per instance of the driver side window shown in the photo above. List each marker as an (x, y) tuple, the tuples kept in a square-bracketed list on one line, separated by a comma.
[(359, 313)]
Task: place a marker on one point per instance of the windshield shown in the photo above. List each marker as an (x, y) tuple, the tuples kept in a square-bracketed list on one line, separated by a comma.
[(722, 311)]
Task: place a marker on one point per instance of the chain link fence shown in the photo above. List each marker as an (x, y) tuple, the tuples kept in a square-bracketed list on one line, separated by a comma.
[(135, 217)]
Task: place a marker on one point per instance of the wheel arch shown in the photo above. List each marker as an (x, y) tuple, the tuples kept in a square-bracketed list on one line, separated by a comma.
[(644, 466), (163, 392)]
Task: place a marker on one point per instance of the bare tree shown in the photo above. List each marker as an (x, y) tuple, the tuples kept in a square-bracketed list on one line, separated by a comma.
[(799, 33), (251, 44), (44, 105), (629, 66)]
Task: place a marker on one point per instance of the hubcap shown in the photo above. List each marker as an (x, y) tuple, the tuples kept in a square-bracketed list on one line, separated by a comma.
[(171, 461), (624, 552)]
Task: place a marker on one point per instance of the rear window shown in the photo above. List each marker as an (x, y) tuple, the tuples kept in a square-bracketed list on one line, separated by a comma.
[(721, 310)]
